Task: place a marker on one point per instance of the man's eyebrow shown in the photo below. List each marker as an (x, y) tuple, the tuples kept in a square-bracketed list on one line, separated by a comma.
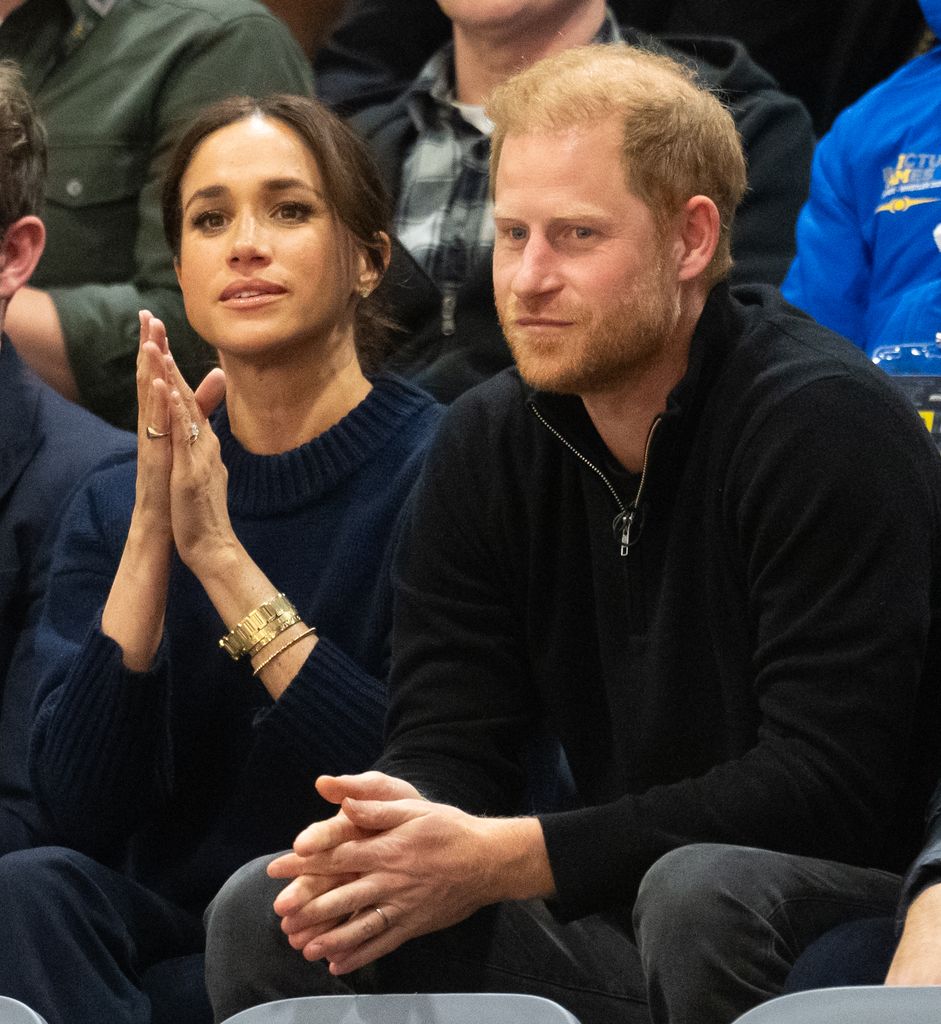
[(592, 214)]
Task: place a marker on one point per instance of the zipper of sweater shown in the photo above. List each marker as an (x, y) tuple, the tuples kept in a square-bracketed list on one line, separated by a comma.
[(448, 309), (625, 518)]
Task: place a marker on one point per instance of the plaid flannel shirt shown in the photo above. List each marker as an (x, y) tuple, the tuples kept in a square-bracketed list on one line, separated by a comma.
[(445, 216)]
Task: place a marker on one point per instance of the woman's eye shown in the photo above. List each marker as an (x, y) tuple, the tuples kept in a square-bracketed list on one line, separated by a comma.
[(293, 211), (210, 220)]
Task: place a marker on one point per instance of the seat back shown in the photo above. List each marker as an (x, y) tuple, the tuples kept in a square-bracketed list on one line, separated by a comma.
[(458, 1008), (12, 1011), (863, 1004)]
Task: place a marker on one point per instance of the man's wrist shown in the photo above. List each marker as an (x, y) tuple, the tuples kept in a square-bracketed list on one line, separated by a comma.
[(520, 868)]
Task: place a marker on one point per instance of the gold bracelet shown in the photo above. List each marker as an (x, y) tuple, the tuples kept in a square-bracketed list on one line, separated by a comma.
[(260, 627), (281, 650)]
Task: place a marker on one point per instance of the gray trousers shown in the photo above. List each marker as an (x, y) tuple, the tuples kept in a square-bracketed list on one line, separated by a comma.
[(715, 931)]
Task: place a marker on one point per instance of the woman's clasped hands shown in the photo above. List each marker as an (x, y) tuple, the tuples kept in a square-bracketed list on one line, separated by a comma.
[(181, 479)]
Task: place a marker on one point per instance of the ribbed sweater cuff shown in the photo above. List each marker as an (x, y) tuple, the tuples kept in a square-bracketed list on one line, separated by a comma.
[(102, 721), (330, 717)]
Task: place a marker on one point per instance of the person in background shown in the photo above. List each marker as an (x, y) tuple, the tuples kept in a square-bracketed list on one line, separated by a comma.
[(114, 80), (869, 238), (47, 445), (432, 141), (310, 21), (694, 536), (163, 753), (825, 55)]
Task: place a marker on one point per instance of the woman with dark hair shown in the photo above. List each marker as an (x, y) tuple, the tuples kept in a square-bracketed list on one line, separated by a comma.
[(216, 630)]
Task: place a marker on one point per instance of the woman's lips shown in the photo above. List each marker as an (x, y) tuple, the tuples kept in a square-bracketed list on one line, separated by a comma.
[(250, 292)]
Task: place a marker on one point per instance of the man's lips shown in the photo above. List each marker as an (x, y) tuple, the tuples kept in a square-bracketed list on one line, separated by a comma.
[(541, 321), (250, 289)]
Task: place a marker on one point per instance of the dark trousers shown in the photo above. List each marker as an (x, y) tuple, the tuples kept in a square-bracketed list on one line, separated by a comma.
[(717, 930), (855, 953), (78, 936), (590, 966), (732, 921)]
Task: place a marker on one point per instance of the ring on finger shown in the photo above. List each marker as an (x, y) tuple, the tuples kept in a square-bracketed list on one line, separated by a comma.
[(382, 914), (193, 434), (153, 434)]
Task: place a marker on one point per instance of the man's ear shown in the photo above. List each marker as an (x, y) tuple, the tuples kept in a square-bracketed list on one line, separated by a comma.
[(20, 250), (699, 235)]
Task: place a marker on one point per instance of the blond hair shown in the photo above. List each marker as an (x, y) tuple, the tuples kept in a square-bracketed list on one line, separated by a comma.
[(678, 139)]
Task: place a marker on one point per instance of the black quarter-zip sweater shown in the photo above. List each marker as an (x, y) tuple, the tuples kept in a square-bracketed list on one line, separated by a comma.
[(761, 667)]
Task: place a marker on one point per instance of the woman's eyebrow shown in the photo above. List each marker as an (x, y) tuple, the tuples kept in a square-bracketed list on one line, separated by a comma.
[(283, 184), (271, 185), (209, 192)]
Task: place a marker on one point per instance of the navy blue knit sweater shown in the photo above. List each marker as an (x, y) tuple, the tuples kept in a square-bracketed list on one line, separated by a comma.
[(182, 773)]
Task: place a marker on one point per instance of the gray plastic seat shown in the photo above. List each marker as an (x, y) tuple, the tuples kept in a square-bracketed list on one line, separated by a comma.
[(459, 1008), (12, 1011), (862, 1004)]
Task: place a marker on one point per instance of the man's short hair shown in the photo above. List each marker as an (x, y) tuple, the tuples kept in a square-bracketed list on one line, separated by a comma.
[(22, 149), (678, 139)]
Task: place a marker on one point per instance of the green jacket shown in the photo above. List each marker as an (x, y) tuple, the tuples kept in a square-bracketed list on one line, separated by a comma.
[(113, 80)]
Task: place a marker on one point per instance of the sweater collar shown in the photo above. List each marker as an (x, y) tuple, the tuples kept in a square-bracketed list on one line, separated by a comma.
[(261, 485)]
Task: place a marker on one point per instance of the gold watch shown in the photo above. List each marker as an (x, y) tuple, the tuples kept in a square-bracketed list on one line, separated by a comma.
[(260, 627)]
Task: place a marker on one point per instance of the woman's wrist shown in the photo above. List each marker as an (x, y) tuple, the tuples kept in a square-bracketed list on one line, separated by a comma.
[(217, 562), (147, 550), (149, 531)]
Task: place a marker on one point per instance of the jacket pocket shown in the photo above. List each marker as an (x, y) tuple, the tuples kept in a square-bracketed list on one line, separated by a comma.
[(92, 194)]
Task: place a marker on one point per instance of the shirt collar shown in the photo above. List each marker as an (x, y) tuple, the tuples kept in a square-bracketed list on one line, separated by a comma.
[(86, 14), (92, 9), (429, 98)]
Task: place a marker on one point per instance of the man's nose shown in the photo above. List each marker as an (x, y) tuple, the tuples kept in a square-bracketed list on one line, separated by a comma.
[(538, 268)]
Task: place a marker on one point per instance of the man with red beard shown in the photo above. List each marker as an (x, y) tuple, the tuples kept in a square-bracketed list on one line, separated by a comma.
[(694, 536)]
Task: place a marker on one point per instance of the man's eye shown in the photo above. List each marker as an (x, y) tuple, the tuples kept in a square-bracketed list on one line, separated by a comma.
[(583, 232), (516, 234)]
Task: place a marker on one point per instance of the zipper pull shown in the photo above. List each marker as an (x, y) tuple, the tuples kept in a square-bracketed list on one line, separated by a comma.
[(448, 310), (622, 529)]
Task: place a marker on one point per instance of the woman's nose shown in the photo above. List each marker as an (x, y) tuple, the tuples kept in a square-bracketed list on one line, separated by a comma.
[(249, 244)]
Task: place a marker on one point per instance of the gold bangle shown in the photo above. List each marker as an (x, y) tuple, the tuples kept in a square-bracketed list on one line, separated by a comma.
[(260, 627), (274, 628), (281, 650)]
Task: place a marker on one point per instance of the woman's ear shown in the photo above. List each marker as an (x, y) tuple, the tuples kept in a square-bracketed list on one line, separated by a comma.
[(20, 249), (369, 274)]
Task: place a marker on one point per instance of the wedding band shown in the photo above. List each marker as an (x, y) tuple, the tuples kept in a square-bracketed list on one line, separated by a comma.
[(381, 913), (194, 434), (153, 434)]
